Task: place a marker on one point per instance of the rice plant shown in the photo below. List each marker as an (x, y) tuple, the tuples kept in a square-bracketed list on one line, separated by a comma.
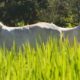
[(51, 61)]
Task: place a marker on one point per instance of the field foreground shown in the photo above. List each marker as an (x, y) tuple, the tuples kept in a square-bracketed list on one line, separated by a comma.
[(53, 61)]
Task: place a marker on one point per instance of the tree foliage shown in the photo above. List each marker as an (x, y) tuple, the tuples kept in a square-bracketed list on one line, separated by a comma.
[(61, 12)]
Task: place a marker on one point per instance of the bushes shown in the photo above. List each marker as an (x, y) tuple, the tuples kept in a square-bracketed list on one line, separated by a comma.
[(60, 12)]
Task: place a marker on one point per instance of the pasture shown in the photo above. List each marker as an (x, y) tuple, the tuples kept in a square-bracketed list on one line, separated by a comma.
[(53, 61)]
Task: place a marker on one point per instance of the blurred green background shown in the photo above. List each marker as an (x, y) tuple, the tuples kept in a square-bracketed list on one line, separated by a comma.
[(64, 13)]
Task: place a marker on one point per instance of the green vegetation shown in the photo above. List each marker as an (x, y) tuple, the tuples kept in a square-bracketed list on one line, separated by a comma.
[(65, 13), (53, 61)]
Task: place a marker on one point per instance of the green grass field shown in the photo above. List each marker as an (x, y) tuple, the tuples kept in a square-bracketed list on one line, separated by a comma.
[(53, 61)]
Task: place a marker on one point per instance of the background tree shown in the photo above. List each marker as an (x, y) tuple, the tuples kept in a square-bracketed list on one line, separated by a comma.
[(61, 12)]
